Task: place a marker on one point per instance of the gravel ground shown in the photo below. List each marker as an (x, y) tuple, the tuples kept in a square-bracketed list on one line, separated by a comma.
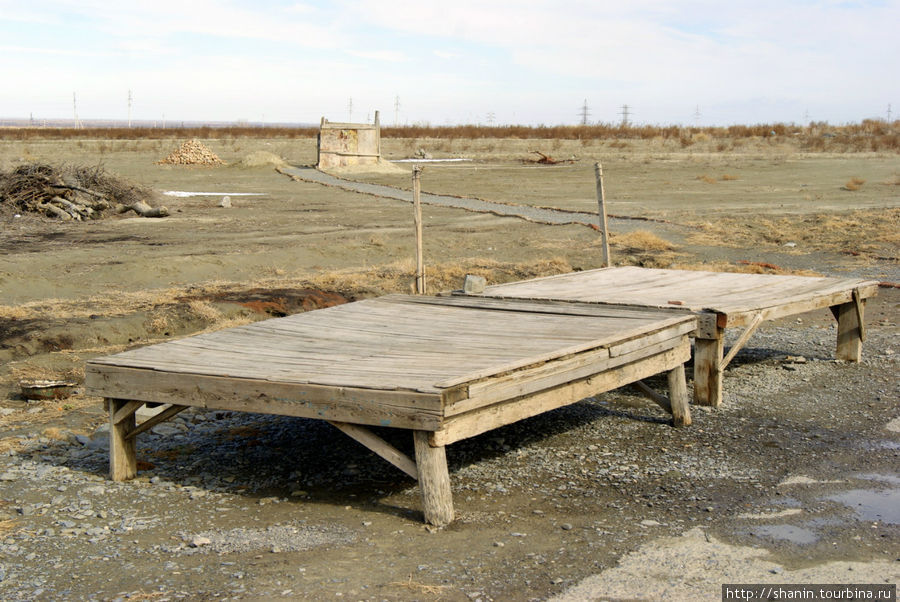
[(799, 464)]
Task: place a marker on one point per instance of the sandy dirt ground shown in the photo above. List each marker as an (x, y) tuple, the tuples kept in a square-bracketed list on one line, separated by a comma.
[(794, 479)]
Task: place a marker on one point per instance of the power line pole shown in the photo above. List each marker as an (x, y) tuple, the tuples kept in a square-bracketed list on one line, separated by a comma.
[(396, 110), (129, 108), (625, 114), (490, 118), (585, 113), (889, 113), (697, 115), (350, 110)]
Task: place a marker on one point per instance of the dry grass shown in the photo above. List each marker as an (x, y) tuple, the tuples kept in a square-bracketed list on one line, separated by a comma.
[(743, 268), (728, 178), (23, 371), (204, 310), (707, 179), (862, 232), (854, 184), (870, 135), (420, 588), (641, 240)]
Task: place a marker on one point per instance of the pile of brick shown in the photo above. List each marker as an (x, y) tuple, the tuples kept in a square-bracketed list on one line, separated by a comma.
[(192, 152)]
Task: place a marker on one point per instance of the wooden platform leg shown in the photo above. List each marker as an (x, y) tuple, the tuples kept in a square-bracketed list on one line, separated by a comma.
[(122, 455), (434, 480), (678, 397), (708, 369), (849, 322)]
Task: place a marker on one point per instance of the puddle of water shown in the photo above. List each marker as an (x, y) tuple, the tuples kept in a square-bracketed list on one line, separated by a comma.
[(885, 478), (797, 535), (872, 504), (185, 194)]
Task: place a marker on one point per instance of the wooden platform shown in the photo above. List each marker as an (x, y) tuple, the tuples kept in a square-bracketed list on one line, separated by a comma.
[(720, 300), (446, 368)]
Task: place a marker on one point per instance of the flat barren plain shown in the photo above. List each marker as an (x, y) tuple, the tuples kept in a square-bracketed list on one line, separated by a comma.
[(793, 480)]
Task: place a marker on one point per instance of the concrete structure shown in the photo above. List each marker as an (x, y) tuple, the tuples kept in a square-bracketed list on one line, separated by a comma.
[(345, 144)]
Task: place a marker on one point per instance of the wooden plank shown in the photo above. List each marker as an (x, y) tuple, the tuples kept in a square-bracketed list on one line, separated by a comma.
[(546, 305), (379, 446), (126, 410), (724, 292), (786, 308), (708, 370), (849, 342), (858, 302), (122, 451), (636, 343), (678, 397), (660, 400), (490, 417), (684, 322), (148, 424), (417, 224), (434, 480), (550, 375), (742, 340), (343, 404), (707, 323), (601, 214)]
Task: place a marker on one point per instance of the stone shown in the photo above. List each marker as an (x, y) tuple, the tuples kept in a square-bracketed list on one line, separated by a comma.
[(199, 540), (225, 202), (474, 285)]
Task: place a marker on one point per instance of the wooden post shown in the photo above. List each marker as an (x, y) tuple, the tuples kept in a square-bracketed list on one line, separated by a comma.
[(434, 480), (678, 397), (378, 135), (417, 207), (849, 330), (601, 201), (122, 454), (708, 369)]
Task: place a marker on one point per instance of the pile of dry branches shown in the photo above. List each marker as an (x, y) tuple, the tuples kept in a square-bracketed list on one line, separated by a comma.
[(192, 152), (72, 193)]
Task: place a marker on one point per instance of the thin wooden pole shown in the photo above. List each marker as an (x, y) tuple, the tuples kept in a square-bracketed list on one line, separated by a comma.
[(601, 202), (417, 207)]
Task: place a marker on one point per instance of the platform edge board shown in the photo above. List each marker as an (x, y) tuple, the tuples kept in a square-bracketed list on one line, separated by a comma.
[(741, 316), (682, 322), (545, 305), (483, 419), (403, 409), (557, 372)]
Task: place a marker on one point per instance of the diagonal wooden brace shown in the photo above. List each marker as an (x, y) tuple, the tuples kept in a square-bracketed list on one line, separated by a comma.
[(379, 446), (676, 403), (742, 340), (151, 422)]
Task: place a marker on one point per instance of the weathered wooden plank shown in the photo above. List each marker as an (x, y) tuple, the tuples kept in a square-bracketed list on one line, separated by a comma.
[(148, 424), (849, 342), (434, 480), (708, 370), (122, 452), (657, 398), (379, 446), (480, 420), (637, 343), (551, 374), (678, 397), (742, 340), (343, 404), (858, 303), (728, 293), (127, 410)]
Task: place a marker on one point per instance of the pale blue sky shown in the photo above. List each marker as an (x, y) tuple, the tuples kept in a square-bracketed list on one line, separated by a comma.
[(456, 61)]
